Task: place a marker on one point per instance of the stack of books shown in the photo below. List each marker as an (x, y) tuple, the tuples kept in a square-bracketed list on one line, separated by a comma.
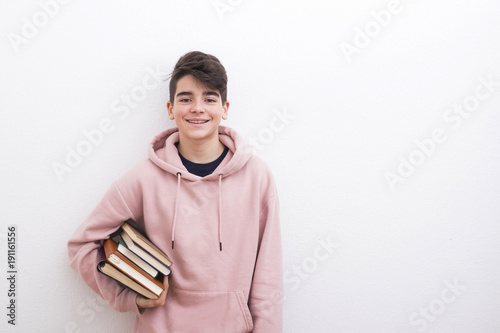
[(135, 262)]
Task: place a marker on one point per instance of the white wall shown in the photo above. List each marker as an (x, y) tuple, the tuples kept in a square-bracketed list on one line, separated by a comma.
[(420, 255)]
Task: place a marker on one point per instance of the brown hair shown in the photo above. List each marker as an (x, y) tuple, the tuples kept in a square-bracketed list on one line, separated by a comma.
[(205, 68)]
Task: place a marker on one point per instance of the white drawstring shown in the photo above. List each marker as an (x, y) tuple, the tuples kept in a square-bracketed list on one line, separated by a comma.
[(220, 212), (177, 204)]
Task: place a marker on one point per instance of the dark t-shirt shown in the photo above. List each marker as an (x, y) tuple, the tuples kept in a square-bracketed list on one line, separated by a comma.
[(203, 169)]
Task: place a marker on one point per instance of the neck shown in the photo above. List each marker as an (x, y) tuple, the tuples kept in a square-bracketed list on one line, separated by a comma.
[(200, 152)]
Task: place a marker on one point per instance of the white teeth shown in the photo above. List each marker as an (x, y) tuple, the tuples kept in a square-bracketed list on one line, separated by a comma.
[(197, 122)]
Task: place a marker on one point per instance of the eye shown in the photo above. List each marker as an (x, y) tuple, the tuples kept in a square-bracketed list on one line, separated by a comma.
[(184, 100), (211, 100)]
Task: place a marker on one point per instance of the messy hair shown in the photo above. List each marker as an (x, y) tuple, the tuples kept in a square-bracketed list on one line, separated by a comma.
[(205, 68)]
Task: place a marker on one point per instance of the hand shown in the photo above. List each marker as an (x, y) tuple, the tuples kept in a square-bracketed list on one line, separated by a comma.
[(144, 303)]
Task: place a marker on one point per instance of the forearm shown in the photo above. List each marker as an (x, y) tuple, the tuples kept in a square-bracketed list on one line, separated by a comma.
[(84, 250)]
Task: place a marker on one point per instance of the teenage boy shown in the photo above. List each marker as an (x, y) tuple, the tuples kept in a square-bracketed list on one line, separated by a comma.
[(210, 204)]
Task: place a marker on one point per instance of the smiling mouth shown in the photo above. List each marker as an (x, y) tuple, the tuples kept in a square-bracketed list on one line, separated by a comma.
[(197, 121)]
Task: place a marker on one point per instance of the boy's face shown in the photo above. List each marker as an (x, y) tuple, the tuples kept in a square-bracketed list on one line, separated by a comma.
[(197, 110)]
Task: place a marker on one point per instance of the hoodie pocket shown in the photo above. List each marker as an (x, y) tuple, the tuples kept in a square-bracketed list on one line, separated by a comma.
[(207, 311)]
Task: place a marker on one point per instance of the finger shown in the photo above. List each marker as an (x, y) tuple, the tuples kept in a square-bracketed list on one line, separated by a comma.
[(143, 302), (148, 303), (163, 295)]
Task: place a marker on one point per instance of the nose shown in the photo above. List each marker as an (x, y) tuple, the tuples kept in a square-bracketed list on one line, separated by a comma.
[(198, 106)]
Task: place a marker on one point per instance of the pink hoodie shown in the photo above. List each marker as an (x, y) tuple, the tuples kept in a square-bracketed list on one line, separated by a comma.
[(227, 271)]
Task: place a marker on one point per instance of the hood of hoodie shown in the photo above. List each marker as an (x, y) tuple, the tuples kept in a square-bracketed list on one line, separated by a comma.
[(163, 152)]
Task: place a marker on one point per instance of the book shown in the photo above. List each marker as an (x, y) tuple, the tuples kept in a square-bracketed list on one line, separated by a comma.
[(114, 273), (130, 269), (122, 248), (165, 270), (141, 246)]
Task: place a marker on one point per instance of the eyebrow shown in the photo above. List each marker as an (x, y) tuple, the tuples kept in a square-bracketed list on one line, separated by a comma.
[(205, 93)]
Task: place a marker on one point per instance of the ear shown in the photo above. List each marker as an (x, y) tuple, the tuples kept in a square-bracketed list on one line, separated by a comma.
[(170, 108), (225, 106)]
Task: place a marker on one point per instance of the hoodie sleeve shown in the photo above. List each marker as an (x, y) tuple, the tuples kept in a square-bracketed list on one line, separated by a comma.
[(266, 297), (84, 249)]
